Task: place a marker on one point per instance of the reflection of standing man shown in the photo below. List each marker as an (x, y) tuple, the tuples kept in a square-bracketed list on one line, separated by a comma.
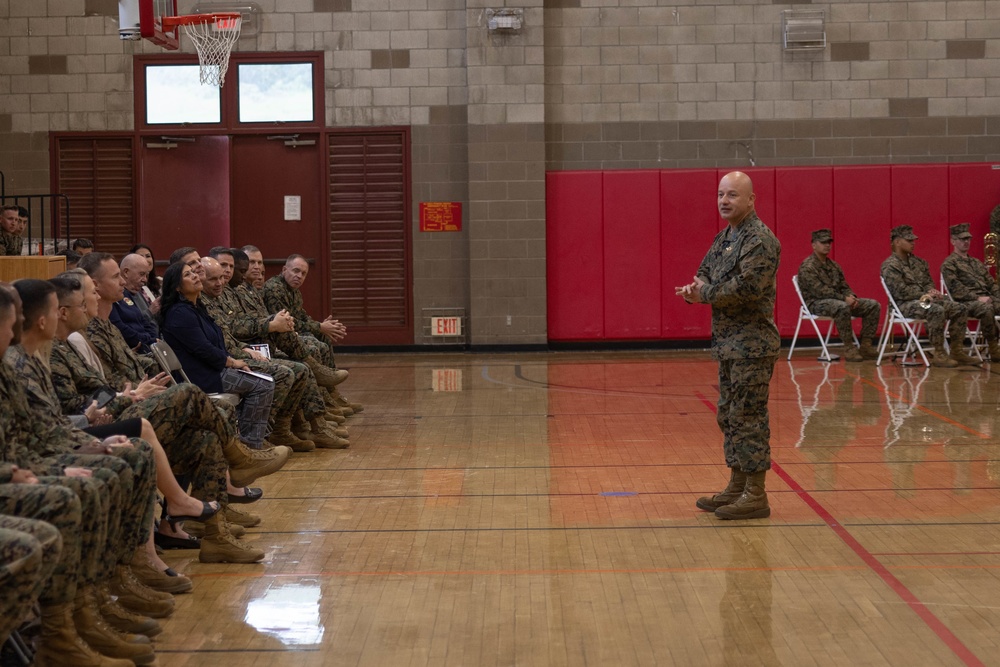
[(737, 278)]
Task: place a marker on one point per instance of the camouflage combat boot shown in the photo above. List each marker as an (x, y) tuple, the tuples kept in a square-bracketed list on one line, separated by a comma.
[(962, 358), (121, 618), (941, 358), (325, 377), (238, 520), (247, 465), (103, 638), (852, 353), (219, 546), (324, 437), (59, 644), (752, 503), (737, 481), (283, 435)]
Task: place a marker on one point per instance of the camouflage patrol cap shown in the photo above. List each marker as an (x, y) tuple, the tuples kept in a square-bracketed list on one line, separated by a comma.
[(822, 235), (961, 231), (902, 232)]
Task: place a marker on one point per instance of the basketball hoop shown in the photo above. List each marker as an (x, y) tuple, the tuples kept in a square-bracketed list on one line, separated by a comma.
[(214, 35)]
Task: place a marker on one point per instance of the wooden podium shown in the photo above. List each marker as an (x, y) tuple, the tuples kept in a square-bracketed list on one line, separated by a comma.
[(29, 266)]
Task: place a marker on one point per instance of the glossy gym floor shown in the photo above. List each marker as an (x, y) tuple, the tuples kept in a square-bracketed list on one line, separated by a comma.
[(538, 509)]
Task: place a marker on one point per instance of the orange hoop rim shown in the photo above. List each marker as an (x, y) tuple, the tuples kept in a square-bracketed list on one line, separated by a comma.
[(172, 22)]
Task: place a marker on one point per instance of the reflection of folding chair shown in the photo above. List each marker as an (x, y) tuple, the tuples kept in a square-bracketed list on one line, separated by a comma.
[(976, 339), (901, 401), (911, 325), (169, 362), (808, 410), (824, 340)]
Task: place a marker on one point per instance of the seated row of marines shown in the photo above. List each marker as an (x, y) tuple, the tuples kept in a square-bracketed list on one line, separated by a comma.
[(78, 483), (972, 293)]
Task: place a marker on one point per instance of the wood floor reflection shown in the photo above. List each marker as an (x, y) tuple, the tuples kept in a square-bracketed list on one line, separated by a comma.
[(538, 509)]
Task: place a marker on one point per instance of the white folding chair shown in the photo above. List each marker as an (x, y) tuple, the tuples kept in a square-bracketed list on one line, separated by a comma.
[(804, 314), (976, 340), (911, 325)]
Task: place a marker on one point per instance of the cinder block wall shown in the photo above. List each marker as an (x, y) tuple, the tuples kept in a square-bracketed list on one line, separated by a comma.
[(586, 84)]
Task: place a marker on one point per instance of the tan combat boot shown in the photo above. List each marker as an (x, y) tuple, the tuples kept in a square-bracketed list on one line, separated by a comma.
[(737, 481), (868, 351), (138, 598), (150, 576), (324, 437), (247, 465), (852, 353), (752, 503), (219, 546), (325, 377), (238, 520), (60, 646), (995, 352), (282, 434), (300, 427), (121, 618), (104, 639), (962, 358), (197, 528), (941, 358)]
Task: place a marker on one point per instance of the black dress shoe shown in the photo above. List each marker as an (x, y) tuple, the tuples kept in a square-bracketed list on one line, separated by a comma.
[(207, 512), (251, 495), (167, 542)]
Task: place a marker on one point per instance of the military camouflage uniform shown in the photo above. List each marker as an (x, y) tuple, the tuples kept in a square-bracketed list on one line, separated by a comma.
[(279, 296), (138, 476), (21, 568), (187, 423), (909, 279), (288, 388), (246, 320), (10, 244), (739, 271), (995, 220), (825, 289), (59, 508), (967, 279)]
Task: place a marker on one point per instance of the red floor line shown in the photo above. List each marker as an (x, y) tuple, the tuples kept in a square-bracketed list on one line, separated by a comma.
[(933, 622)]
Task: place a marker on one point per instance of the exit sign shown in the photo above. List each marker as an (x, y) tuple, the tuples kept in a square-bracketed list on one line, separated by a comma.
[(446, 326)]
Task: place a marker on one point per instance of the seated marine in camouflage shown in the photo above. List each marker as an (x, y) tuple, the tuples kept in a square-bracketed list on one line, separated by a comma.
[(827, 293), (908, 279), (969, 282)]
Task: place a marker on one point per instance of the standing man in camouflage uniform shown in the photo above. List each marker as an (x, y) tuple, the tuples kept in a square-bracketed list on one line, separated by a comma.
[(969, 282), (737, 279), (826, 292), (909, 281), (10, 231)]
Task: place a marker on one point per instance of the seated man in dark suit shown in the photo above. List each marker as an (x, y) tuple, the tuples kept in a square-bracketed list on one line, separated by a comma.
[(131, 314)]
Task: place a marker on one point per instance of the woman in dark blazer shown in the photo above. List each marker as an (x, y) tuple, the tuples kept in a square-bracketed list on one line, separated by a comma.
[(198, 342)]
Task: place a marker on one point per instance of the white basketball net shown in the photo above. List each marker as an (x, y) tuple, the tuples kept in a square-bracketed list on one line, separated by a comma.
[(214, 41)]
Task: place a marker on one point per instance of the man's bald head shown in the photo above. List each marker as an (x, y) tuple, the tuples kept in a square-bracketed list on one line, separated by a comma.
[(135, 271), (214, 282), (736, 197)]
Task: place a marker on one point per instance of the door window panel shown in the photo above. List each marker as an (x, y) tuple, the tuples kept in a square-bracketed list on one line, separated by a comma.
[(275, 92), (174, 95)]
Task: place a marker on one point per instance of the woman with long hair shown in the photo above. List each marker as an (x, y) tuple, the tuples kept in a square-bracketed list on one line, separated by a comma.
[(200, 346)]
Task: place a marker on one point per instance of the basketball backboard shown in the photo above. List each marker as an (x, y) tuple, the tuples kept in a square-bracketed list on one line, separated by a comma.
[(142, 19)]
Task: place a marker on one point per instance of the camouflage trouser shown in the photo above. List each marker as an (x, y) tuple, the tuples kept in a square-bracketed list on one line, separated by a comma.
[(867, 309), (192, 431), (81, 523), (320, 348), (59, 506), (985, 313), (744, 385), (134, 495), (311, 402), (299, 346), (940, 312), (29, 550), (287, 387)]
